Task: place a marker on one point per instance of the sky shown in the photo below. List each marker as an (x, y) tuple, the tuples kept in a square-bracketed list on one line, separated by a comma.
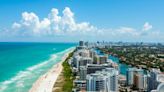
[(74, 20)]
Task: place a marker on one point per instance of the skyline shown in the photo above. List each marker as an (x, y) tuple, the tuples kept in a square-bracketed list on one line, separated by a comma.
[(70, 21)]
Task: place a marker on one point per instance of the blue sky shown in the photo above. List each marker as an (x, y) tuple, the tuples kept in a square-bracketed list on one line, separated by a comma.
[(109, 18)]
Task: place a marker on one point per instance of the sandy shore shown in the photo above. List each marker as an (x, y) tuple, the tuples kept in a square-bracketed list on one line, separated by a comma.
[(46, 82)]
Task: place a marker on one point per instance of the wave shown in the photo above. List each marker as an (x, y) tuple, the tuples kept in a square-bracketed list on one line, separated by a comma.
[(43, 63), (26, 78)]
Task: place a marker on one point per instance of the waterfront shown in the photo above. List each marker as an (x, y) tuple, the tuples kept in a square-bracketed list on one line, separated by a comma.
[(122, 67), (21, 61), (96, 63)]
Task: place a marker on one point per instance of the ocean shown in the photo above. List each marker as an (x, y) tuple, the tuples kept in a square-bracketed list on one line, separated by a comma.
[(21, 64)]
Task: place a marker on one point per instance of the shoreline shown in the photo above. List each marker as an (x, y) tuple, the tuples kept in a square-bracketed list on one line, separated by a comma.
[(46, 81)]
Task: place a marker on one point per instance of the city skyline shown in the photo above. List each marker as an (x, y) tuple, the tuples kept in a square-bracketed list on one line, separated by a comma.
[(70, 21)]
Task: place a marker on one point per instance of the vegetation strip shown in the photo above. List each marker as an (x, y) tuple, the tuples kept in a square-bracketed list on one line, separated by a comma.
[(68, 75), (146, 58)]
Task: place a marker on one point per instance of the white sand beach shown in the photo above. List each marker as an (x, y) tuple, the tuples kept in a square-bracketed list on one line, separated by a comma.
[(46, 82)]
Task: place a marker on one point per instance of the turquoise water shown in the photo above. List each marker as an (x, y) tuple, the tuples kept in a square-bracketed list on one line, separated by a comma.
[(122, 67), (21, 64)]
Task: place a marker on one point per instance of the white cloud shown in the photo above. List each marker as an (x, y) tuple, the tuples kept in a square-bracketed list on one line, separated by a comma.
[(127, 31), (52, 25), (16, 25), (65, 25), (147, 26), (30, 24)]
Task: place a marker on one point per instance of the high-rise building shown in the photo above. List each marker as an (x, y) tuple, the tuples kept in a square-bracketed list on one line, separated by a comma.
[(145, 80), (130, 76), (86, 44), (76, 60), (81, 58), (160, 87), (81, 43), (139, 81), (152, 80), (83, 72), (114, 83), (103, 81), (100, 59), (92, 53), (103, 59), (85, 60), (96, 59), (92, 68), (83, 53), (160, 80)]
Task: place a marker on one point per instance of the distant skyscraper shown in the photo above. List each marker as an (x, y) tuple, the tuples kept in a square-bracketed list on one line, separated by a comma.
[(86, 44), (81, 43)]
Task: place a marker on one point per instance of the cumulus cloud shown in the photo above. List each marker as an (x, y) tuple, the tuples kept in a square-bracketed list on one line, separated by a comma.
[(147, 26), (54, 24), (64, 25)]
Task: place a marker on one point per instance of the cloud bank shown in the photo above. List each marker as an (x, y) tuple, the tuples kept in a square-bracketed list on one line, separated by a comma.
[(65, 27), (30, 24)]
